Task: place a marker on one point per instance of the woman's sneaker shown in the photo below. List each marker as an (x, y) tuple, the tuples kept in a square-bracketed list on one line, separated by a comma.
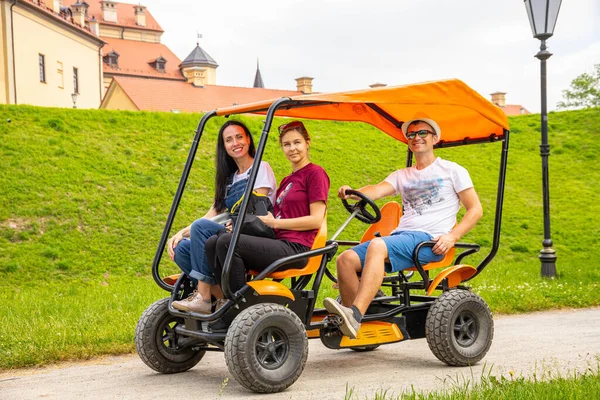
[(194, 303)]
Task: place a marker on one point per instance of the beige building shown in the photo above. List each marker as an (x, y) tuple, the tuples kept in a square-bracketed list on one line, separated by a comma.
[(45, 56), (110, 55)]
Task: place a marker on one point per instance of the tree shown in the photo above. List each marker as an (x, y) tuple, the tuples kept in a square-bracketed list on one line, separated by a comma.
[(584, 91)]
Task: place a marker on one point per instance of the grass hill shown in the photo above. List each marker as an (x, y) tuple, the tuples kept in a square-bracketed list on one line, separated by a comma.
[(85, 194)]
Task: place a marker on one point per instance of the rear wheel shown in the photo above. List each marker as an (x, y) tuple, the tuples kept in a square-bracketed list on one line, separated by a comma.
[(266, 348), (364, 349), (159, 346), (459, 328)]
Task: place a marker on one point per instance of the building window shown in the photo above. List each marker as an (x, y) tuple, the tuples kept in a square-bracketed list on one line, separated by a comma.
[(112, 59), (42, 68), (159, 64), (61, 80), (75, 80)]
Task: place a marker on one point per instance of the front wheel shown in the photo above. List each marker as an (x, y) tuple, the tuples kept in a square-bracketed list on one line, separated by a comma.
[(459, 328), (159, 346), (266, 348)]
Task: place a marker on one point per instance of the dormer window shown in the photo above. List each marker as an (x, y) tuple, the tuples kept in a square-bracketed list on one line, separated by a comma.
[(159, 64), (112, 59)]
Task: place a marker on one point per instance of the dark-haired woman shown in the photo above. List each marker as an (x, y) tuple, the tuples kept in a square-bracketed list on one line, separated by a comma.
[(235, 155), (299, 210)]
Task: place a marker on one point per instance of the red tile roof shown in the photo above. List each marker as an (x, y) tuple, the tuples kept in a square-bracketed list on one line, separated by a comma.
[(125, 15), (514, 109), (134, 58), (164, 95), (60, 18)]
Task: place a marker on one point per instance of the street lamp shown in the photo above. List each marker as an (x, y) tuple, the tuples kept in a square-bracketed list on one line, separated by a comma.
[(542, 17), (74, 98)]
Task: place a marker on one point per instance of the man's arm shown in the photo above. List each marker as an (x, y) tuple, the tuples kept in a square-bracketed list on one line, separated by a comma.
[(474, 212), (375, 192)]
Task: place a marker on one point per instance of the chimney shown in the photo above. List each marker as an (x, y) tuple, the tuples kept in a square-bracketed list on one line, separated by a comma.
[(140, 15), (109, 11), (54, 5), (378, 84), (78, 14), (304, 84), (94, 26), (498, 99), (195, 75)]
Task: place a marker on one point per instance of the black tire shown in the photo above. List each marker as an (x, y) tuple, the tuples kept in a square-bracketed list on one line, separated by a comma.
[(266, 348), (158, 345), (459, 328), (364, 349)]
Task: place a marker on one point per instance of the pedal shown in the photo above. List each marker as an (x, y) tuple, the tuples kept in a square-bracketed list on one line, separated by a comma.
[(333, 320)]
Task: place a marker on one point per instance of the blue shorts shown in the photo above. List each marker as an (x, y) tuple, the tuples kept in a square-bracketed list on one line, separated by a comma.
[(400, 247)]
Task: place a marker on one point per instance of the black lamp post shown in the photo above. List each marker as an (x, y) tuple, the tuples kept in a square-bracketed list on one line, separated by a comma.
[(542, 17), (74, 98)]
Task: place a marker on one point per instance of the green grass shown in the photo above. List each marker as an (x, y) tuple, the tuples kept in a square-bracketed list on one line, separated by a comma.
[(548, 386), (85, 195)]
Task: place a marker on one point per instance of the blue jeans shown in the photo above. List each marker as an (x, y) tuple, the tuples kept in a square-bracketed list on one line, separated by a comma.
[(190, 255)]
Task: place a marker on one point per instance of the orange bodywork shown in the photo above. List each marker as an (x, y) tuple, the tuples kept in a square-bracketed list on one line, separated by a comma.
[(459, 111), (374, 332), (271, 288), (455, 274), (313, 263)]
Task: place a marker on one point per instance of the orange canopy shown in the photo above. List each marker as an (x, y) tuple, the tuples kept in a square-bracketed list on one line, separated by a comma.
[(459, 111)]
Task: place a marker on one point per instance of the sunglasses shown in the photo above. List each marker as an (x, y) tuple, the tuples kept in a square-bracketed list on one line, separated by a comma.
[(291, 125), (422, 134)]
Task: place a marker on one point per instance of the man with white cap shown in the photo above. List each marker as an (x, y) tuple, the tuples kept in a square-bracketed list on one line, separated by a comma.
[(432, 190)]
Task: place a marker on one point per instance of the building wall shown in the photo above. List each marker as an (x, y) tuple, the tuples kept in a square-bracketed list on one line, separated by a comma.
[(34, 35), (116, 32), (116, 99), (6, 73)]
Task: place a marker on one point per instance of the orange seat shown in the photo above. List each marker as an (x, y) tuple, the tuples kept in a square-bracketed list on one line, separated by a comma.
[(390, 218), (313, 263)]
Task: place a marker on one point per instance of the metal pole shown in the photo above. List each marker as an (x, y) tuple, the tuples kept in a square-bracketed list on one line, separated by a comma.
[(547, 254)]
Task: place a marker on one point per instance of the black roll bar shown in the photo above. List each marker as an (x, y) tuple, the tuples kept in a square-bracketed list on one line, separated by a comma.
[(186, 172), (499, 203)]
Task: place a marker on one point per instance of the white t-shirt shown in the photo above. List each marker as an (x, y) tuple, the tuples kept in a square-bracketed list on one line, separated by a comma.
[(264, 179), (430, 199)]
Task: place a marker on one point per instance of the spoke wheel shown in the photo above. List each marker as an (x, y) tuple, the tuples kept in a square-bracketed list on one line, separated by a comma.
[(459, 328), (272, 348), (466, 329), (159, 346), (266, 348)]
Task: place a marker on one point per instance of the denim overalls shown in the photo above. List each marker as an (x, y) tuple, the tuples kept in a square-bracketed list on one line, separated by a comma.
[(189, 253)]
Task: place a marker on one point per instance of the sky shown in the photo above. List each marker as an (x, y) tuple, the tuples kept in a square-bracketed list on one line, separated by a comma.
[(348, 45)]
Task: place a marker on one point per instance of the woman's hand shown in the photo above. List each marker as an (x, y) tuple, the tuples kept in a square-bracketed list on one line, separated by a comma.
[(268, 219), (172, 244)]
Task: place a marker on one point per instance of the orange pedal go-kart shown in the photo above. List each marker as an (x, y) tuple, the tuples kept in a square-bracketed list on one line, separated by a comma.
[(264, 327)]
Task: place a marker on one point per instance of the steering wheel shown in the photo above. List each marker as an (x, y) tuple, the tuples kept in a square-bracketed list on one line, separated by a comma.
[(363, 215)]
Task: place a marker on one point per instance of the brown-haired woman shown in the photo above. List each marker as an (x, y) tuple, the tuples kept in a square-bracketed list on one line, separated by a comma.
[(299, 209)]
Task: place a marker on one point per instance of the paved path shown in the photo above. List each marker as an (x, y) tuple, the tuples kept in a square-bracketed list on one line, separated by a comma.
[(556, 342)]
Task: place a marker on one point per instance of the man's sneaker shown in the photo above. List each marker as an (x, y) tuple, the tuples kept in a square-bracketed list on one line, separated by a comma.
[(194, 303), (349, 325)]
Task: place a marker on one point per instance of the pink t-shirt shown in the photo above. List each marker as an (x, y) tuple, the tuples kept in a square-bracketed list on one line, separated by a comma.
[(295, 194)]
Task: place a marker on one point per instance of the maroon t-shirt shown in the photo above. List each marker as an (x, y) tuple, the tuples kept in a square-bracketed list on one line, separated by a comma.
[(294, 195)]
